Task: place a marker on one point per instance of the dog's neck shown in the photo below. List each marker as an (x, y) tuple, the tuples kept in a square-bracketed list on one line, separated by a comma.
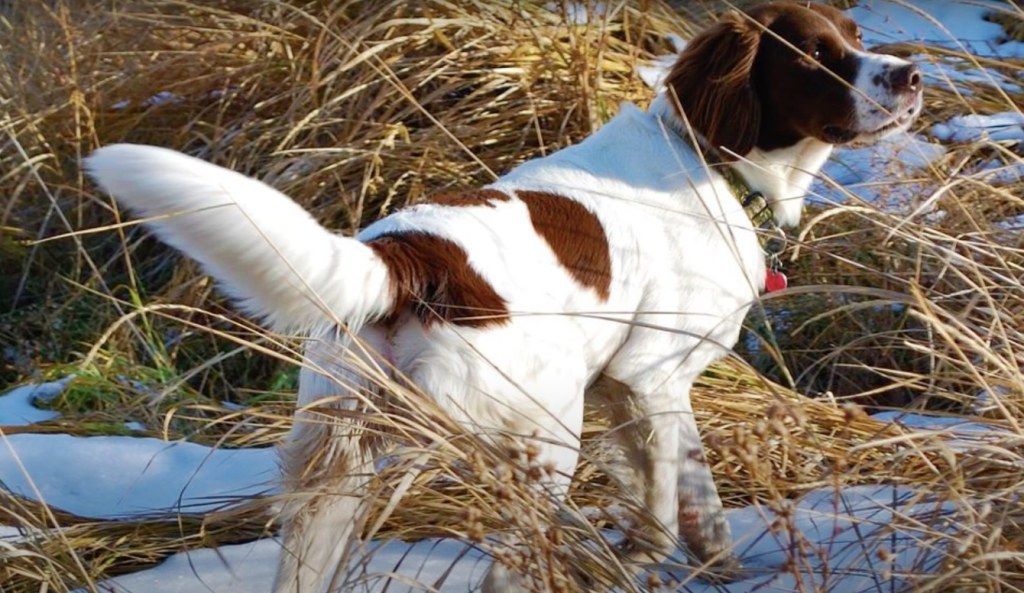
[(783, 175)]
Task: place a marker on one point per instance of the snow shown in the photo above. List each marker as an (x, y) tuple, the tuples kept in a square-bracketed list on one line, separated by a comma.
[(960, 74), (1008, 126), (845, 530), (249, 568), (16, 406), (995, 173), (954, 24), (956, 425), (161, 98), (961, 434), (870, 172), (114, 477), (119, 476)]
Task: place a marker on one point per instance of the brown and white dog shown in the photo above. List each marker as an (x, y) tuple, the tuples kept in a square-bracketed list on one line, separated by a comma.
[(639, 258)]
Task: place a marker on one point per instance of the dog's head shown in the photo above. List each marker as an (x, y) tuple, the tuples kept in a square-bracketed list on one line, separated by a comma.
[(785, 71)]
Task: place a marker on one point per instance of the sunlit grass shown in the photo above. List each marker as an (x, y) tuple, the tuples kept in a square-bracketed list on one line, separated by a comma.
[(356, 110)]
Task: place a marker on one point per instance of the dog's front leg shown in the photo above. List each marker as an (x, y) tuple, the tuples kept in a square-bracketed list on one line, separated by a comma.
[(655, 424), (645, 409), (702, 523)]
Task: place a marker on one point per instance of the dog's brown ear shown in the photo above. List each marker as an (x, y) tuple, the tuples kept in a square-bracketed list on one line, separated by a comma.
[(712, 82)]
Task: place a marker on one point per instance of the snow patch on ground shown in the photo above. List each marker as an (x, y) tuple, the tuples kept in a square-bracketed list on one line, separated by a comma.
[(960, 74), (17, 407), (1014, 223), (249, 568), (846, 530), (996, 173), (954, 24), (116, 476), (999, 127), (882, 174), (961, 434), (941, 424)]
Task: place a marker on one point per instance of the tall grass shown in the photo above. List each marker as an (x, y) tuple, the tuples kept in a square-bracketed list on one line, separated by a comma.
[(357, 108)]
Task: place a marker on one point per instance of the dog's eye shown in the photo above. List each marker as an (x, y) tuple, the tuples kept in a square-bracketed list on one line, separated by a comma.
[(812, 55)]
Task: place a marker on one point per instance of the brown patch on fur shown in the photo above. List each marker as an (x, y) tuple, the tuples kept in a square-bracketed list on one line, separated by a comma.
[(480, 197), (575, 235), (712, 83), (432, 277)]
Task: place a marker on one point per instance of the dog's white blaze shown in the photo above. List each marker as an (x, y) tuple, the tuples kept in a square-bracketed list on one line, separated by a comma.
[(876, 103)]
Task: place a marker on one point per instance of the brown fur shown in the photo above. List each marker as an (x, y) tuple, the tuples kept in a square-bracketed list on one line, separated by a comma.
[(575, 235), (712, 82), (479, 197), (432, 277)]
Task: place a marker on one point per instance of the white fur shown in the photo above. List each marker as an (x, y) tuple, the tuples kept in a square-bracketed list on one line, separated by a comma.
[(685, 267), (879, 109), (244, 232)]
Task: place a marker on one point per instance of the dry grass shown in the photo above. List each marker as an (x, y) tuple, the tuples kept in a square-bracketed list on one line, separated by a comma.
[(358, 108)]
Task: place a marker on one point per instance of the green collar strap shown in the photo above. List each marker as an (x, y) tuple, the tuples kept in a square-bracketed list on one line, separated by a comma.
[(759, 211), (754, 203)]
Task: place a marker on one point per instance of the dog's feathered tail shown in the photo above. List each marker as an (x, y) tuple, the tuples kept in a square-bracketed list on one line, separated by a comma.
[(266, 250)]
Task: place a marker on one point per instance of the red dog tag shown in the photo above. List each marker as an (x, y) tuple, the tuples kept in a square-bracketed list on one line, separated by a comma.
[(775, 281)]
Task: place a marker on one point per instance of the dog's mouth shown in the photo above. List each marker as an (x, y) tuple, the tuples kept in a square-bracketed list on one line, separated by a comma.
[(900, 120)]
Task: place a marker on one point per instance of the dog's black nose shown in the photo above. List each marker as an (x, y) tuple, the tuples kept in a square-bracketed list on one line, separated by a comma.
[(906, 79)]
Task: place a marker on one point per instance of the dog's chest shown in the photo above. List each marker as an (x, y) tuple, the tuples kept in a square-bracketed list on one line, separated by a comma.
[(702, 265)]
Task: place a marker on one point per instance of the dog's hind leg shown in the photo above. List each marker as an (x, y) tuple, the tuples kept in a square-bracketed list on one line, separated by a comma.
[(558, 453), (540, 412), (646, 426), (327, 462)]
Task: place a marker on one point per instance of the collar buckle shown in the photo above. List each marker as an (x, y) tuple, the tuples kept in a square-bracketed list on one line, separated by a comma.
[(758, 210)]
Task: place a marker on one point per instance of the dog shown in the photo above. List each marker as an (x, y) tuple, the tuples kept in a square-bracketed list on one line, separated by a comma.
[(615, 270)]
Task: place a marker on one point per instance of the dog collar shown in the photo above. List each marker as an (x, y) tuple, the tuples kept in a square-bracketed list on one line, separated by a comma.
[(758, 210)]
